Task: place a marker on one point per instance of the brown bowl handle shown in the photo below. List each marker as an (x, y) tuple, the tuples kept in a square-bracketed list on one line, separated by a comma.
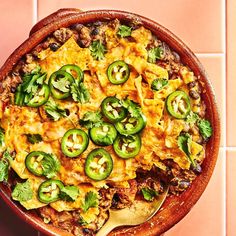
[(54, 16)]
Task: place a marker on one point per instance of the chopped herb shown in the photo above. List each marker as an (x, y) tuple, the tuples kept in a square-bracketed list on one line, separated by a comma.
[(50, 166), (34, 138), (154, 54), (158, 84), (69, 193), (124, 31), (133, 108), (80, 93), (4, 166), (29, 86), (97, 50), (53, 110), (184, 142), (91, 119), (91, 200), (22, 192), (192, 118), (2, 138), (149, 194), (205, 128)]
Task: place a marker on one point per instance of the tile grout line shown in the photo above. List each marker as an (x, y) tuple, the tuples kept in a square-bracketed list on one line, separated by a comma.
[(226, 131), (35, 12)]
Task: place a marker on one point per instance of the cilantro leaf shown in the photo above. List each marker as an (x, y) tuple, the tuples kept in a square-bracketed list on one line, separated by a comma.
[(154, 54), (22, 192), (91, 200), (34, 138), (124, 31), (158, 84), (184, 143), (192, 118), (63, 84), (29, 87), (149, 194), (50, 165), (97, 50), (69, 193), (80, 93), (53, 110), (4, 166), (205, 128), (91, 119), (41, 78), (133, 108), (2, 138)]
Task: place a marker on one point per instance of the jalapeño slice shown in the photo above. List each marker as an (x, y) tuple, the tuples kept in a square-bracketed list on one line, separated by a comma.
[(59, 83), (103, 135), (40, 97), (75, 71), (49, 191), (118, 72), (34, 162), (74, 142), (99, 164), (127, 146), (131, 125), (178, 104), (112, 109)]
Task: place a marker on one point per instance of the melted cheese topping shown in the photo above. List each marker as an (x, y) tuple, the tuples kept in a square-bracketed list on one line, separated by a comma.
[(159, 138)]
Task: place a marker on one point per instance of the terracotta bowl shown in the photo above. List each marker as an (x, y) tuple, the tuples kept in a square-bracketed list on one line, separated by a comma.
[(175, 207)]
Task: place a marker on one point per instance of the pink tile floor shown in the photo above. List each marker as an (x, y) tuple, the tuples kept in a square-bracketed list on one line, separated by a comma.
[(202, 26)]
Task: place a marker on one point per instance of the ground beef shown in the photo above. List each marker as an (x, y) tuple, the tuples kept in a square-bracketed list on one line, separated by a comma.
[(124, 197), (62, 35), (178, 178), (84, 37), (65, 220), (106, 196)]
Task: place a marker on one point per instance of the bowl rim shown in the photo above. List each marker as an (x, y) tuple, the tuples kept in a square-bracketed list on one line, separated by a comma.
[(187, 57)]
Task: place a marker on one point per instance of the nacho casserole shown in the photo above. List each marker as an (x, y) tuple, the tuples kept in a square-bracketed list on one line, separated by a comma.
[(95, 116)]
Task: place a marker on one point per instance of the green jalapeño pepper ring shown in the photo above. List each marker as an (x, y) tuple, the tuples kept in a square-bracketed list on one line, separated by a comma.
[(178, 104), (118, 72), (49, 191), (75, 71), (99, 164), (103, 135), (59, 83), (36, 160), (40, 97), (74, 142), (127, 146), (131, 125), (112, 109)]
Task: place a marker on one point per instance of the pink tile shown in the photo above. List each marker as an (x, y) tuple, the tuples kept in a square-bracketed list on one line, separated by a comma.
[(231, 73), (214, 67), (15, 23), (11, 225), (197, 23), (231, 193), (207, 216)]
